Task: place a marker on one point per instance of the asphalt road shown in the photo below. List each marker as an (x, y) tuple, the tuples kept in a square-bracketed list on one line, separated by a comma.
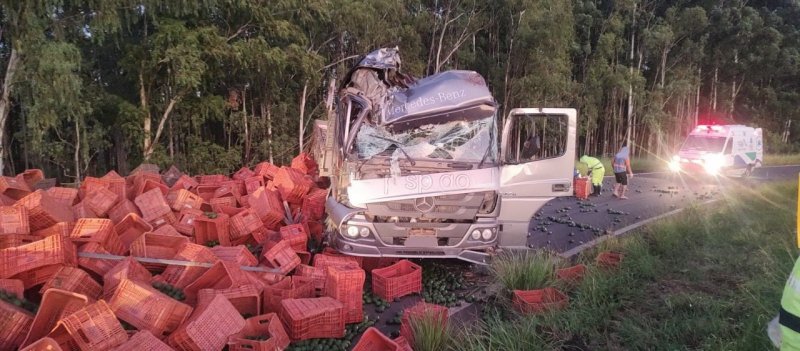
[(566, 223)]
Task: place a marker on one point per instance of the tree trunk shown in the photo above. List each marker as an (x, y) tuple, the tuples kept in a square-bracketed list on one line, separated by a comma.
[(77, 155), (697, 96), (330, 98), (5, 102), (630, 82), (161, 123), (147, 117), (269, 131), (171, 143), (714, 84), (246, 127), (663, 67), (302, 114)]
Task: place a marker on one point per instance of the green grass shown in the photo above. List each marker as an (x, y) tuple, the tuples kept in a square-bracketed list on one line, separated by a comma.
[(781, 159), (429, 333), (708, 279), (524, 270)]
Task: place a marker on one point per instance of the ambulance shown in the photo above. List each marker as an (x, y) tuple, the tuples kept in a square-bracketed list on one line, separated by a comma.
[(731, 150)]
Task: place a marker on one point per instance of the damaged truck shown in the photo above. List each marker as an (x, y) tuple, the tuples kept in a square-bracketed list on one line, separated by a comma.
[(425, 168)]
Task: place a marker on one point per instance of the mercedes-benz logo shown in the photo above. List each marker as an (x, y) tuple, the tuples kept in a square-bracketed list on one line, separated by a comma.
[(424, 204)]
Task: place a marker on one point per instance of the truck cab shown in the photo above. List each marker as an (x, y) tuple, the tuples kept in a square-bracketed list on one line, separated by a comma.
[(422, 168), (720, 150)]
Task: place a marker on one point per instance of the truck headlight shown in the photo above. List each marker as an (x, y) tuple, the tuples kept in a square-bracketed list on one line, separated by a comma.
[(486, 234), (363, 232), (352, 231), (476, 234), (675, 164), (713, 163)]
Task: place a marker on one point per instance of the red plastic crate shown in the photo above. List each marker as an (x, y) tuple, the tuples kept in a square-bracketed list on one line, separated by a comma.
[(539, 301), (181, 276), (74, 280), (185, 223), (168, 218), (146, 168), (264, 325), (131, 228), (264, 279), (305, 164), (48, 251), (93, 327), (82, 210), (294, 287), (167, 230), (212, 229), (142, 185), (152, 205), (97, 265), (209, 327), (14, 322), (609, 260), (317, 275), (65, 196), (14, 220), (206, 191), (128, 269), (314, 204), (13, 286), (180, 199), (90, 184), (329, 258), (14, 188), (116, 184), (253, 183), (170, 176), (371, 263), (44, 344), (62, 229), (43, 212), (146, 308), (292, 184), (100, 200), (583, 188), (97, 230), (56, 304), (38, 276), (296, 235), (221, 275), (212, 179), (223, 201), (243, 173), (226, 209), (227, 189), (374, 340), (143, 340), (184, 182), (244, 223), (402, 343), (312, 318), (239, 255), (151, 245), (14, 240), (346, 284), (123, 208), (31, 176), (282, 257), (266, 169), (418, 311), (398, 280), (246, 298), (571, 275), (267, 204)]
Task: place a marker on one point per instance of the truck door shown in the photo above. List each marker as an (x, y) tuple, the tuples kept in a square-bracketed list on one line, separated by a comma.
[(538, 162)]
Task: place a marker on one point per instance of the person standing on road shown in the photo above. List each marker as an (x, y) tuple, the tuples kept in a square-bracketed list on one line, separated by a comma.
[(596, 171), (622, 171)]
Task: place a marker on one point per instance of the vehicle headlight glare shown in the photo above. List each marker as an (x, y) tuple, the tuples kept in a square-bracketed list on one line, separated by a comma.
[(476, 234), (352, 231)]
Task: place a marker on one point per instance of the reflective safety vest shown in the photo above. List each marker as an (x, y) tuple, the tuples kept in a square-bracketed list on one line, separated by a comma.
[(789, 315)]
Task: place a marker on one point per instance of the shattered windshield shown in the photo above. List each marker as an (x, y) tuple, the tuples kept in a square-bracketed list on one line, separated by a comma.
[(466, 141), (704, 143)]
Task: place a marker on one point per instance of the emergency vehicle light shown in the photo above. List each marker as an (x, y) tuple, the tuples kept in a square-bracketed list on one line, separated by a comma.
[(709, 128)]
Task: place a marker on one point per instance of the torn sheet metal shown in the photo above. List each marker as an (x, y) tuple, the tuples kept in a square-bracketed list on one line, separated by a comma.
[(361, 192)]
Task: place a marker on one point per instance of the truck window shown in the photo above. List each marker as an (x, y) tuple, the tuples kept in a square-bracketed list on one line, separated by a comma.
[(537, 137)]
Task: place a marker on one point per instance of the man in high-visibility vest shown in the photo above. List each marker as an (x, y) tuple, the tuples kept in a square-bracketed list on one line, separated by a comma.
[(596, 171), (789, 315)]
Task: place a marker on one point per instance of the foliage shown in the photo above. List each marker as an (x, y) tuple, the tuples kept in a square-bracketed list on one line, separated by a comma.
[(105, 85), (524, 270)]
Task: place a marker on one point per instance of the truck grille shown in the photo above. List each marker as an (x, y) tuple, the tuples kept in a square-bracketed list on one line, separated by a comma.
[(455, 207)]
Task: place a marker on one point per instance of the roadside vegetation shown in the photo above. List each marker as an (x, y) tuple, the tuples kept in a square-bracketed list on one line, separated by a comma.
[(781, 159), (708, 279)]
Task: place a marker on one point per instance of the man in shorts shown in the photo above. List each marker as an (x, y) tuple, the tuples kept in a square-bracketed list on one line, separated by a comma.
[(622, 171)]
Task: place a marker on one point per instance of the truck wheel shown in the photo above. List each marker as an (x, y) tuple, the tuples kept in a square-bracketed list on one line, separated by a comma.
[(748, 172)]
